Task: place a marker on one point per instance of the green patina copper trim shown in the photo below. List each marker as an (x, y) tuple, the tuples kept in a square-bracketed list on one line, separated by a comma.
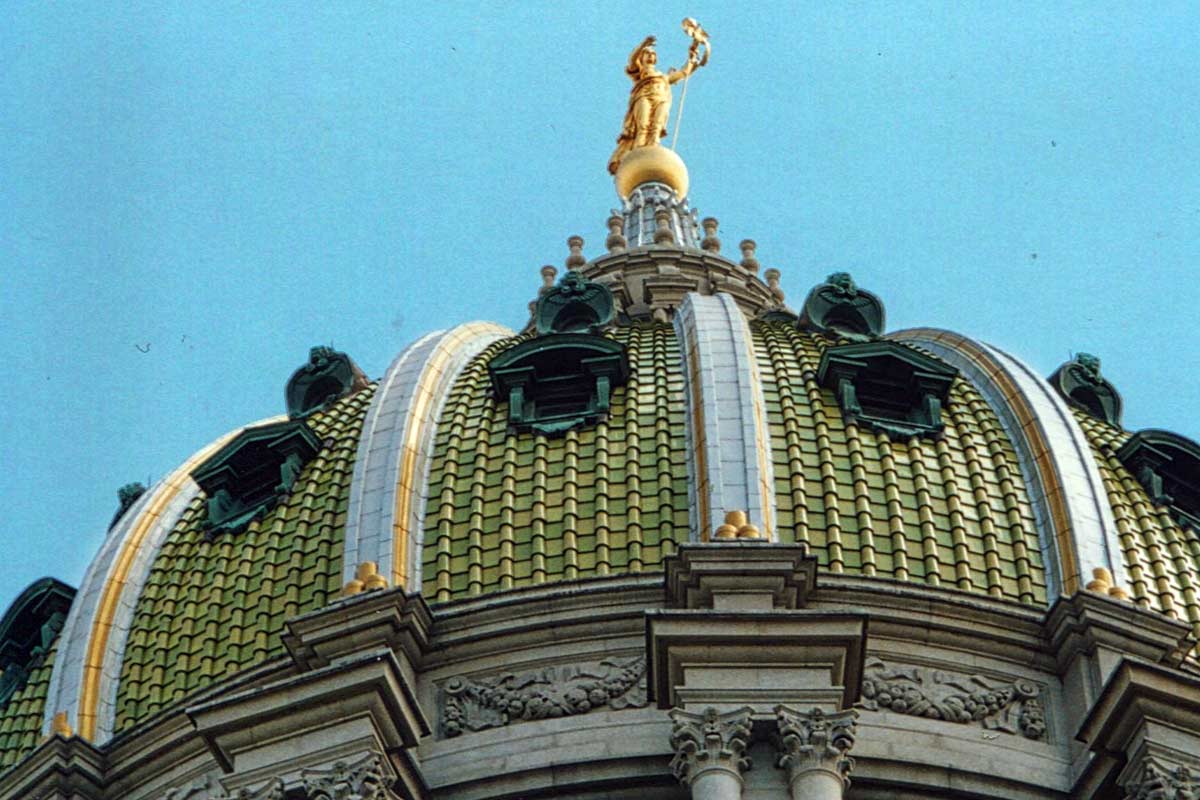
[(839, 306), (1167, 466), (1079, 383), (247, 477), (28, 629), (887, 386), (328, 376)]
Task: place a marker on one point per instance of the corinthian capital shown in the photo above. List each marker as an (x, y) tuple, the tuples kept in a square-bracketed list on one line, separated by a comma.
[(814, 741), (1158, 781), (709, 741)]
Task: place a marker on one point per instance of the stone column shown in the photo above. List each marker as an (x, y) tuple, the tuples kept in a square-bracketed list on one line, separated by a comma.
[(710, 752), (813, 748)]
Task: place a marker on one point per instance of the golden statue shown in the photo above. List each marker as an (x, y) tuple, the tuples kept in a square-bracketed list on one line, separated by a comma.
[(650, 100)]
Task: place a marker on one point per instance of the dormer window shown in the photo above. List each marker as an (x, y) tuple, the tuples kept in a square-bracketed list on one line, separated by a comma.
[(328, 376), (246, 478), (1168, 468), (27, 631), (564, 377), (887, 386)]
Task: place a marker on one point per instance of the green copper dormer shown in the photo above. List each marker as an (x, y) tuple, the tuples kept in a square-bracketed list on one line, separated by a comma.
[(28, 629), (1167, 466), (887, 386), (246, 478), (839, 307), (564, 377)]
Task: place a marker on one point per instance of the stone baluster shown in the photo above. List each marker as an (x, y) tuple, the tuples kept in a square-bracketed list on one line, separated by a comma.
[(710, 752), (813, 748), (548, 275), (663, 235), (749, 262), (576, 259), (710, 243), (772, 276), (616, 242)]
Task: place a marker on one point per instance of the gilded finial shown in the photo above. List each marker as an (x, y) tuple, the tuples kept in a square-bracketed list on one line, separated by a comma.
[(710, 243), (638, 157), (1102, 583), (737, 526), (366, 579)]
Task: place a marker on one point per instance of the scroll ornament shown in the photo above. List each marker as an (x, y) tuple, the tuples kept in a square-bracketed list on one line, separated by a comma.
[(481, 703)]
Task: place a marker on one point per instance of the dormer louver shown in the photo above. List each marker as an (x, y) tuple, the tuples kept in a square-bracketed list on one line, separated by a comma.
[(887, 386), (1167, 466)]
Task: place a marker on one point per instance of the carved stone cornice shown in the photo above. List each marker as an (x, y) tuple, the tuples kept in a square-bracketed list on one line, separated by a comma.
[(1155, 780), (815, 741), (1141, 730), (709, 741)]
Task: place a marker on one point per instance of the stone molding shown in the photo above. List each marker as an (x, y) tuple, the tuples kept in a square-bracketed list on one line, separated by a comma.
[(709, 741), (60, 769), (1086, 622), (1148, 718), (480, 703), (1012, 707), (736, 574), (364, 779), (814, 741)]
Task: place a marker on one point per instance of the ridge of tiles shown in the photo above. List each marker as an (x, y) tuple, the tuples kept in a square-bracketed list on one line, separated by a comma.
[(212, 608), (21, 718), (511, 509), (1163, 560), (950, 511)]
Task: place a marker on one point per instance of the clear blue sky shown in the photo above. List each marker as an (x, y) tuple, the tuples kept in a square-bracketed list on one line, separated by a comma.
[(192, 194)]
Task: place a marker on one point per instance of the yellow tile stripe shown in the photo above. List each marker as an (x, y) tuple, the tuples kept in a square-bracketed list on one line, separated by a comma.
[(118, 576), (432, 383), (1048, 476)]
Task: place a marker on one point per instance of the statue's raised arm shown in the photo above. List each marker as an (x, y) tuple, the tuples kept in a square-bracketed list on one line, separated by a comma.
[(650, 99)]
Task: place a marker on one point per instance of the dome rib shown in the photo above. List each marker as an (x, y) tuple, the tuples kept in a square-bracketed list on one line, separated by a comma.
[(1054, 455), (92, 645), (390, 486)]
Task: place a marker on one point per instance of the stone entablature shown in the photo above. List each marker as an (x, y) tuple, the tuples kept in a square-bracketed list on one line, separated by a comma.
[(357, 670)]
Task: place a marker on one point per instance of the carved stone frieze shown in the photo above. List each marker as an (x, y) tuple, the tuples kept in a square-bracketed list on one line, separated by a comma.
[(709, 740), (1014, 707), (1154, 780), (192, 791), (271, 790), (815, 741), (476, 704), (364, 779)]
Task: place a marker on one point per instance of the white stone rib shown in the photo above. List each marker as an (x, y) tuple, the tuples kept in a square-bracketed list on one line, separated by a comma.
[(1090, 517), (172, 495), (431, 364), (738, 468)]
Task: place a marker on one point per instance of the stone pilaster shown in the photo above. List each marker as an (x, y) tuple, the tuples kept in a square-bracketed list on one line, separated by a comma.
[(710, 751), (813, 748)]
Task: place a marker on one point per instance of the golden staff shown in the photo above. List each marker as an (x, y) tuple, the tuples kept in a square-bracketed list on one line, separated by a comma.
[(699, 38)]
